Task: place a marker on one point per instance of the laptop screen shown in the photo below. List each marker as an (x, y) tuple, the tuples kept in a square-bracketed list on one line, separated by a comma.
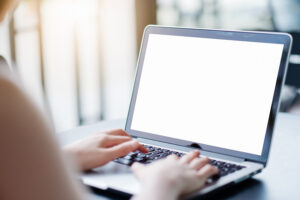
[(210, 91)]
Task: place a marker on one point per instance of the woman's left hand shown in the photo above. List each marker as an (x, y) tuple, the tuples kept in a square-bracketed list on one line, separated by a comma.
[(101, 148)]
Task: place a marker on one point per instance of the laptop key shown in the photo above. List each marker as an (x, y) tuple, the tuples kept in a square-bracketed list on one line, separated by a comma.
[(222, 173), (141, 155), (147, 162), (149, 154), (128, 157), (124, 161), (139, 159), (156, 153), (132, 154), (229, 165), (165, 155)]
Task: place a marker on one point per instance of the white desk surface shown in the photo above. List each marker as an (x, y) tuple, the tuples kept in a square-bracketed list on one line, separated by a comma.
[(279, 180)]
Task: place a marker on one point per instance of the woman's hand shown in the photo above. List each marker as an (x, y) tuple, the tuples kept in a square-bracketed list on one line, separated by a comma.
[(169, 178), (100, 148)]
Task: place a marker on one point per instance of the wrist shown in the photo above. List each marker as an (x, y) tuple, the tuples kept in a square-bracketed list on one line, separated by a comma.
[(73, 154), (158, 189), (69, 151)]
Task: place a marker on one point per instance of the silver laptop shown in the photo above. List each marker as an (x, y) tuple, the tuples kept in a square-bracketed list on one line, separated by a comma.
[(213, 90)]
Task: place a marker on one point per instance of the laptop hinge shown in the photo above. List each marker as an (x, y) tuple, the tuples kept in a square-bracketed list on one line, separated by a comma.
[(255, 161), (191, 147)]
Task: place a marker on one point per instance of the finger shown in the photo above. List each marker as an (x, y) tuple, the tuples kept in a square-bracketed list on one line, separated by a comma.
[(112, 140), (111, 137), (207, 171), (119, 132), (143, 149), (198, 163), (190, 156), (122, 149), (172, 157)]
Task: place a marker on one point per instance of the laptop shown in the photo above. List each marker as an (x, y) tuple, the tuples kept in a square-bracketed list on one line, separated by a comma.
[(213, 90)]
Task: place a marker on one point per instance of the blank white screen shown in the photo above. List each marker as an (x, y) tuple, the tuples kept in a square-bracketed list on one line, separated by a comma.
[(209, 91)]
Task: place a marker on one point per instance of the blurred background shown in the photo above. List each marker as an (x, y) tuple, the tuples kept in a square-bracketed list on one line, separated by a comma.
[(77, 58)]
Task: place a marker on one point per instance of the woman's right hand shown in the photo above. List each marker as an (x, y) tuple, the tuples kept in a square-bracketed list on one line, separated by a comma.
[(172, 177)]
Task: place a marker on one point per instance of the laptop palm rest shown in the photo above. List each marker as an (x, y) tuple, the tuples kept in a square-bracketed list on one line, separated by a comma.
[(113, 175)]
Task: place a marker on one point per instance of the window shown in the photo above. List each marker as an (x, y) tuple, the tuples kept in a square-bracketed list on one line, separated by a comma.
[(85, 55)]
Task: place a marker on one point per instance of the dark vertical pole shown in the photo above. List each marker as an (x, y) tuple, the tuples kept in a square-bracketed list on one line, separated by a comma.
[(216, 13), (77, 79), (272, 15), (41, 49), (41, 54), (12, 38), (101, 71), (145, 14)]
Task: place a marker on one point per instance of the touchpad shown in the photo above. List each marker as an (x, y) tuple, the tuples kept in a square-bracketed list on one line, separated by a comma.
[(113, 175)]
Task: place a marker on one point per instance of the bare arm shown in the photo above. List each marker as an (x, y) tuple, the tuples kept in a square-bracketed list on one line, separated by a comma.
[(32, 166)]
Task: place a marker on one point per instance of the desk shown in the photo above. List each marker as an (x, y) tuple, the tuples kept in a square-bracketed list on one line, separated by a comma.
[(280, 180)]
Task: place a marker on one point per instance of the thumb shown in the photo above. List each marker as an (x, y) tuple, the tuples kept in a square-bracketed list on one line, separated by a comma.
[(123, 149)]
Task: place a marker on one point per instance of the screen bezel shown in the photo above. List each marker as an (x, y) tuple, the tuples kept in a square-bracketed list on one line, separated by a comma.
[(264, 37)]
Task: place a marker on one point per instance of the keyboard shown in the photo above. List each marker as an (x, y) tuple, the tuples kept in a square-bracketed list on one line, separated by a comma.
[(156, 153)]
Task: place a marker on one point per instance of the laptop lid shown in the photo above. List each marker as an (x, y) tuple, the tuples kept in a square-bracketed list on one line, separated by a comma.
[(214, 89)]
